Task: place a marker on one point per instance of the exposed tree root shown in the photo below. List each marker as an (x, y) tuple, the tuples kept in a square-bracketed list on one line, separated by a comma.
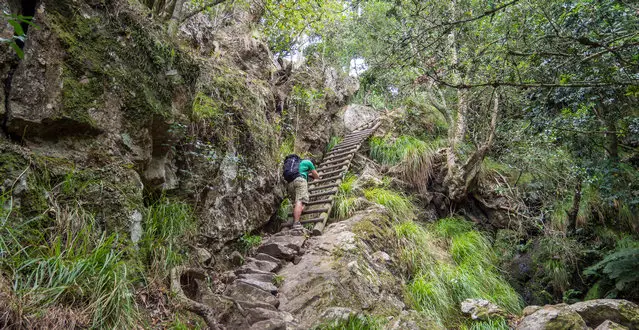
[(206, 312)]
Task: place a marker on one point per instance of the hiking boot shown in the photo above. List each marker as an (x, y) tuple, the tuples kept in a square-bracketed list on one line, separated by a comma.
[(297, 225)]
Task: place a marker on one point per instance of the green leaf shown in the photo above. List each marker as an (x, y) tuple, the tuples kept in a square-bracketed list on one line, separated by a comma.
[(17, 28), (17, 49)]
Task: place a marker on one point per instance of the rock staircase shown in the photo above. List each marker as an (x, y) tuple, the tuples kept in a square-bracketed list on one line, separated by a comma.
[(332, 170), (254, 287)]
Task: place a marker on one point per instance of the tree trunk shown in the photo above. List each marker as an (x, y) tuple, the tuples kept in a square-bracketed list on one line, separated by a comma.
[(612, 140), (574, 210)]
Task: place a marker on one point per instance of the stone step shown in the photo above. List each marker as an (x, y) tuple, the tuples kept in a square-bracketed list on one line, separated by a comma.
[(261, 314), (258, 277), (266, 257), (266, 286), (272, 324), (277, 251), (292, 242), (246, 292), (261, 265)]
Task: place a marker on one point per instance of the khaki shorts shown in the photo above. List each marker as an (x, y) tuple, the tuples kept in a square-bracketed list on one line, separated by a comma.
[(298, 190)]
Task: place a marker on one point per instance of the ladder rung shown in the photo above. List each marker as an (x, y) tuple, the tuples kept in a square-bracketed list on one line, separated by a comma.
[(314, 220), (305, 212), (342, 164), (332, 178), (338, 147), (326, 193), (318, 202), (331, 172), (333, 152), (338, 154), (323, 187), (338, 160)]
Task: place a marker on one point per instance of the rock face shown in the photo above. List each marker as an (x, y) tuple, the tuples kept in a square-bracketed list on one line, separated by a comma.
[(104, 91)]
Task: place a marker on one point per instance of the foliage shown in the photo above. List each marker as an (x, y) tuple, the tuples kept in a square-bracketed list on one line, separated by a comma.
[(19, 34), (289, 24), (619, 270), (248, 242), (353, 322), (345, 201), (557, 256)]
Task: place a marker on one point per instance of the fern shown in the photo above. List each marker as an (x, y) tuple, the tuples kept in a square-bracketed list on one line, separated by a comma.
[(620, 268)]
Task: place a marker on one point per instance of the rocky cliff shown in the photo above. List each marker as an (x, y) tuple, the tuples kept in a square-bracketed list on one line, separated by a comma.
[(104, 91)]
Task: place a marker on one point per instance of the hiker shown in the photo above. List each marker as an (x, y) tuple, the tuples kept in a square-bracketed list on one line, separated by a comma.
[(296, 172)]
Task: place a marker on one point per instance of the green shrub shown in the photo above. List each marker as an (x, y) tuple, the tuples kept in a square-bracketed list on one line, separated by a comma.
[(345, 203), (618, 270), (492, 324), (285, 208), (335, 140), (248, 241)]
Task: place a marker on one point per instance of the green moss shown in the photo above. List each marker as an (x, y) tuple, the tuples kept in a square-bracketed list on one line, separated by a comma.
[(118, 55), (205, 107), (11, 164)]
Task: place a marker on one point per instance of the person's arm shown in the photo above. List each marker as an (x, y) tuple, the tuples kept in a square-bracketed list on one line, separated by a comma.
[(315, 175)]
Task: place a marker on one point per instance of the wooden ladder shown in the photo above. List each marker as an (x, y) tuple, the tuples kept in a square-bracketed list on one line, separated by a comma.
[(332, 170)]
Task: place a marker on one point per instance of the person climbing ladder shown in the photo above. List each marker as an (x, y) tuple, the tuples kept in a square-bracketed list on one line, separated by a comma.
[(296, 172)]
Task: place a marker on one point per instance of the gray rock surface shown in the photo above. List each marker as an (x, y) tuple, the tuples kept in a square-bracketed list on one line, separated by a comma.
[(609, 325), (246, 292), (356, 115)]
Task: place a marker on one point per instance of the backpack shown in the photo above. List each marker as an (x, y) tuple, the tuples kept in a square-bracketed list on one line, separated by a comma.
[(292, 167)]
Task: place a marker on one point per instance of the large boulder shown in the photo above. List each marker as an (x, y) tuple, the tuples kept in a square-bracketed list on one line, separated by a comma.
[(595, 312), (553, 318), (356, 115)]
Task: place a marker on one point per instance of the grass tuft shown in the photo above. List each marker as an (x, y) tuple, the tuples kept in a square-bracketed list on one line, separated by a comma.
[(166, 225)]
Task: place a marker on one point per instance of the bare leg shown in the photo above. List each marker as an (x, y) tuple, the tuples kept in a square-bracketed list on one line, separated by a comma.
[(297, 211)]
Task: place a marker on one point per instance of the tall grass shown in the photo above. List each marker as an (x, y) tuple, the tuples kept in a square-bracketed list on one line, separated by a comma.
[(449, 262), (400, 206), (72, 270), (166, 225)]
